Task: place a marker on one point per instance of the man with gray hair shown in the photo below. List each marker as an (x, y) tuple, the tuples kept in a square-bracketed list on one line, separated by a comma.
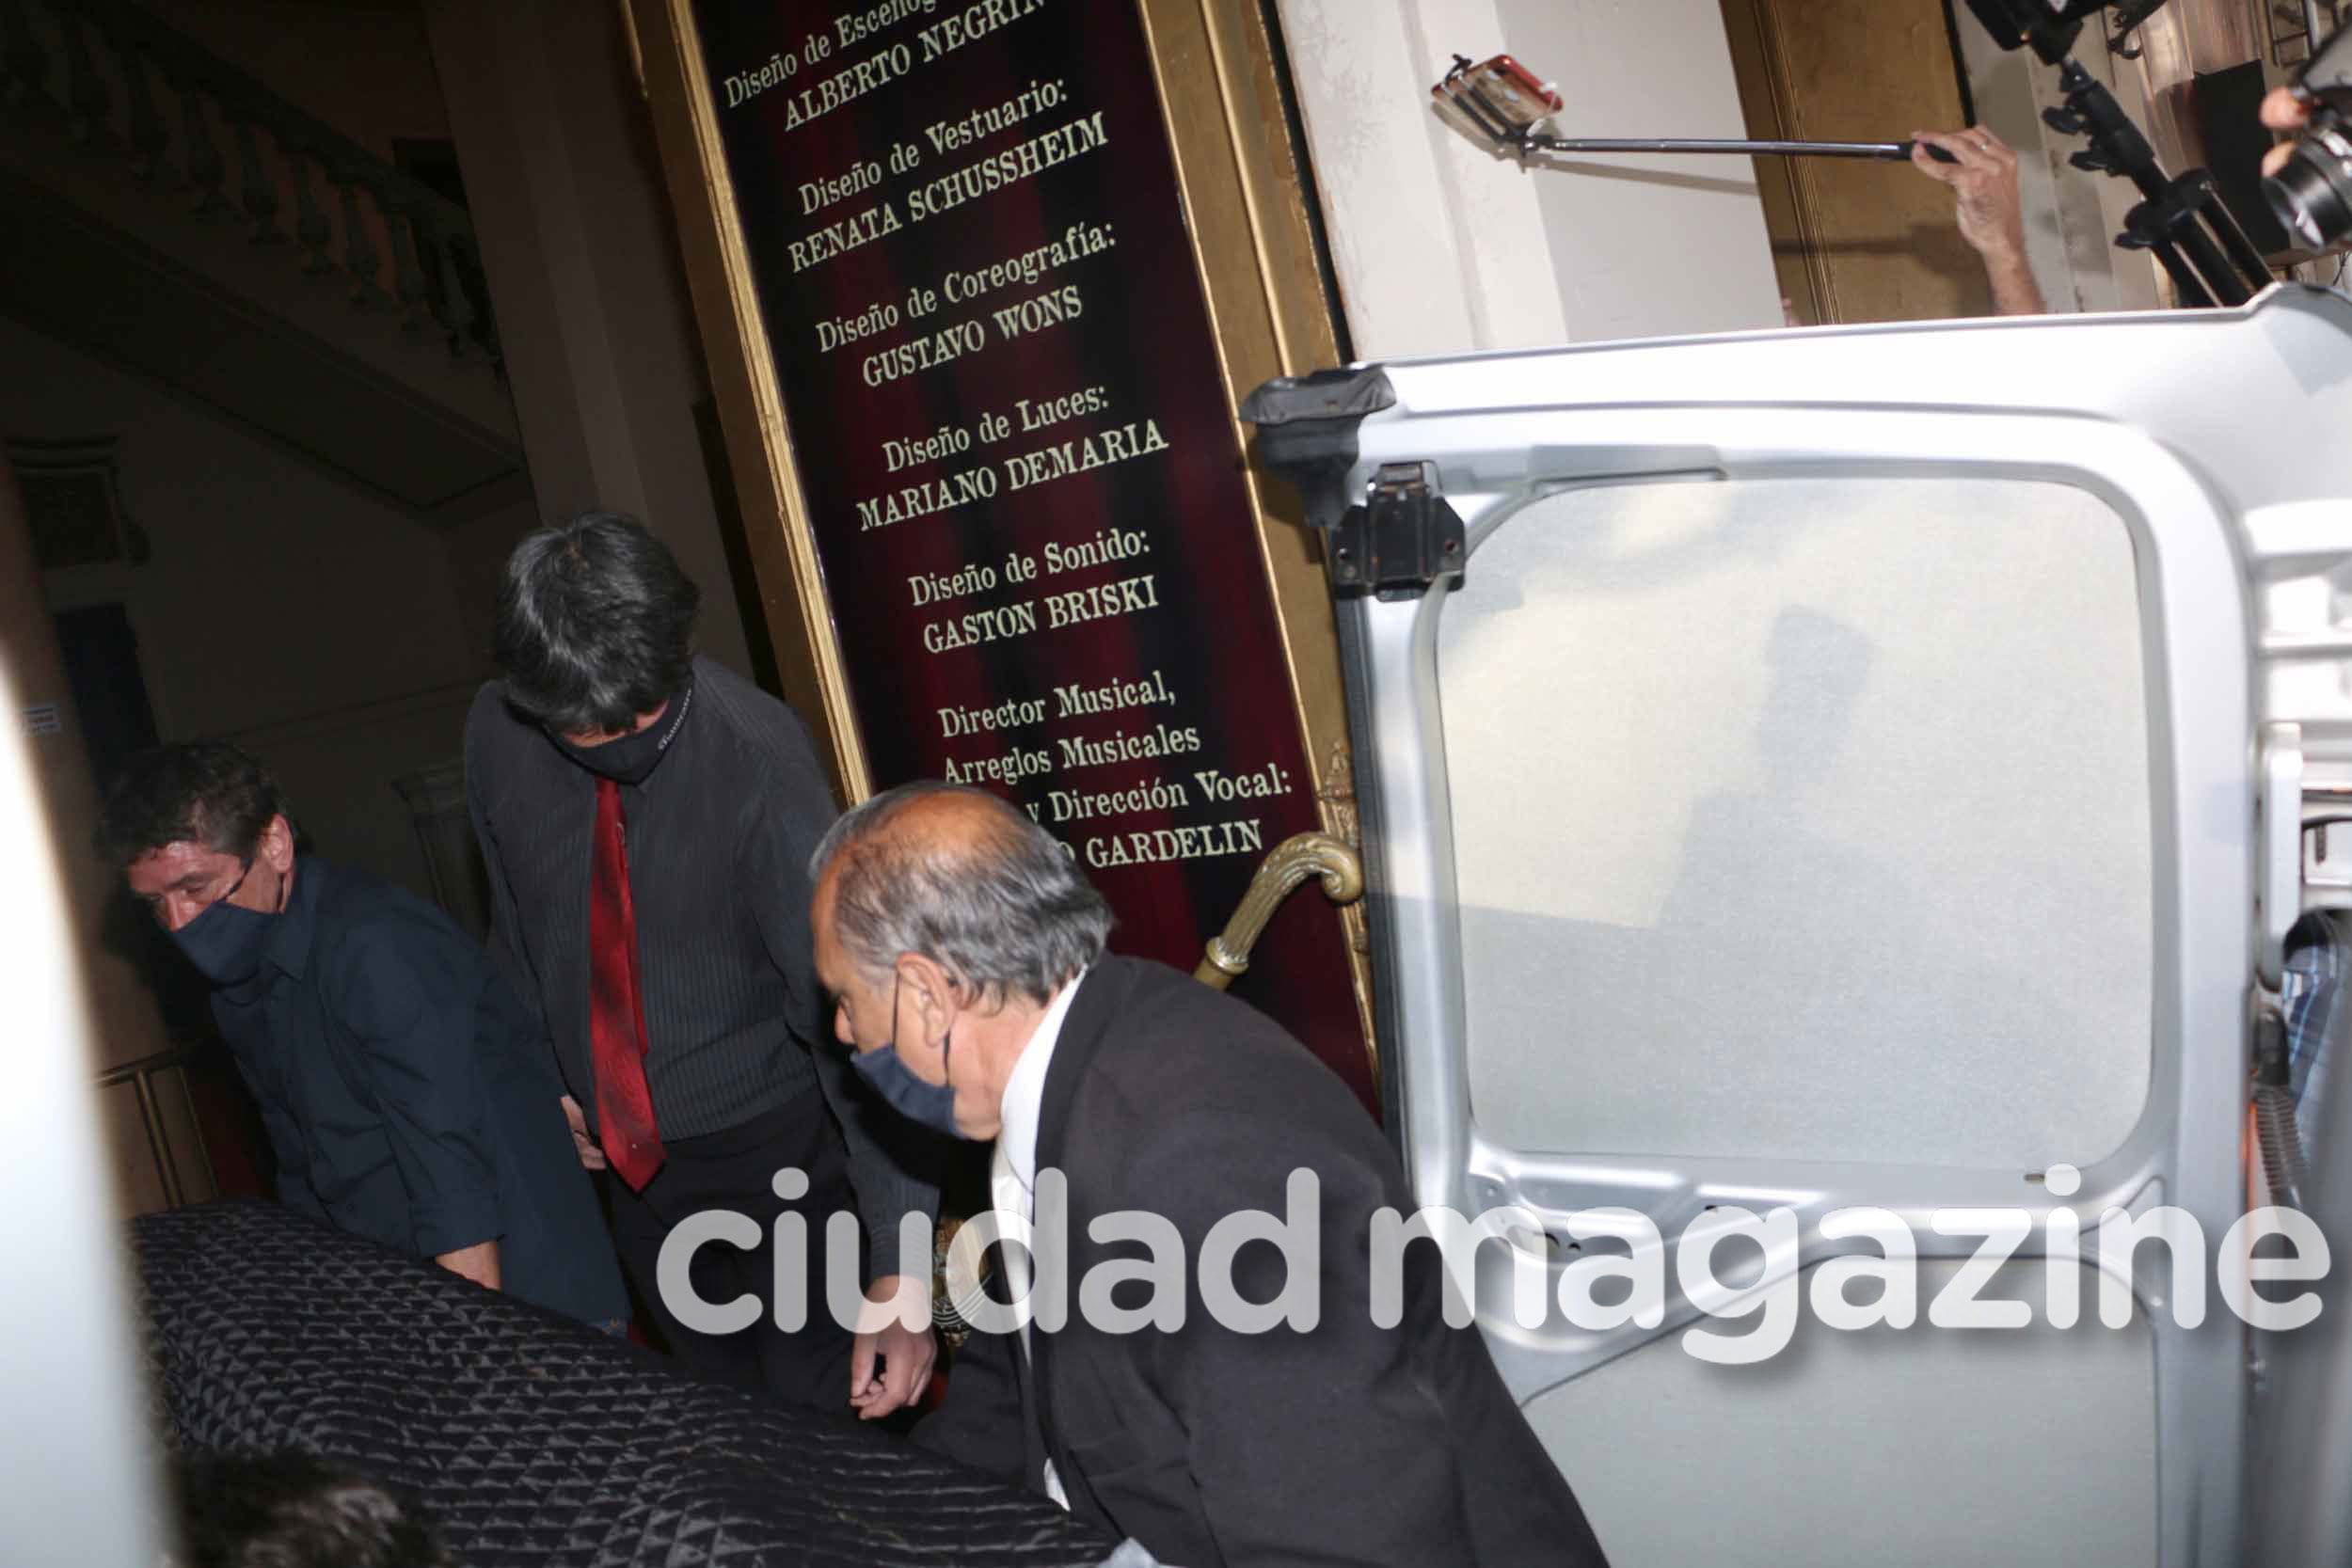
[(965, 954)]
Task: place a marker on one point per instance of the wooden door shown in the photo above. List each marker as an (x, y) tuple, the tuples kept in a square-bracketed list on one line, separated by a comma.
[(1855, 240)]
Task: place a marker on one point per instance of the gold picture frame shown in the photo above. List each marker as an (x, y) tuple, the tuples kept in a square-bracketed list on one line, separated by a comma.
[(1246, 200)]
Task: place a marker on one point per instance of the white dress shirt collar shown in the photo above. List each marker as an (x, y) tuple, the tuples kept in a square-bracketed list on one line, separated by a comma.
[(1024, 1091)]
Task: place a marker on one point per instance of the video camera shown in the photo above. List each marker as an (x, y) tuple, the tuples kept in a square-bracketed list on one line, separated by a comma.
[(2182, 221), (2312, 193), (2051, 26)]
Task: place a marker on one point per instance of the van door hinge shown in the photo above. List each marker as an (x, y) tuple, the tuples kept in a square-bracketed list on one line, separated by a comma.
[(1402, 539)]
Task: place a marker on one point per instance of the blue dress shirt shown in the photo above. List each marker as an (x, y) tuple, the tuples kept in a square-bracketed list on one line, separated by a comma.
[(409, 1096)]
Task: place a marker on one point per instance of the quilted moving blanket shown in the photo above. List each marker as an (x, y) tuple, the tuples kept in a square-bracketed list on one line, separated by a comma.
[(532, 1440)]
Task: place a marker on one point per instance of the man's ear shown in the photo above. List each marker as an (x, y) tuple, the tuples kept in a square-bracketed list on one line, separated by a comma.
[(933, 993), (277, 845)]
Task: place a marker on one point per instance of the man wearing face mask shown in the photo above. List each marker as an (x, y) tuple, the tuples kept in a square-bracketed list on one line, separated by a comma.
[(966, 952), (646, 817), (406, 1091)]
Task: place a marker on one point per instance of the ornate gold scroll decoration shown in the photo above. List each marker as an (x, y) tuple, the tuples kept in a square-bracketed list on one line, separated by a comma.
[(1294, 859), (1336, 799)]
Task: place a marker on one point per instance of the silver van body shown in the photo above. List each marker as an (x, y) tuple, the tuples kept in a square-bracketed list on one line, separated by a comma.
[(1852, 769)]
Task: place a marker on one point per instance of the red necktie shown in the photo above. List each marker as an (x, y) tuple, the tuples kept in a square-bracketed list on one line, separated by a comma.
[(616, 1008)]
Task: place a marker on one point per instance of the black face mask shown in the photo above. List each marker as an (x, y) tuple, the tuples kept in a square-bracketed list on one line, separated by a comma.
[(632, 759)]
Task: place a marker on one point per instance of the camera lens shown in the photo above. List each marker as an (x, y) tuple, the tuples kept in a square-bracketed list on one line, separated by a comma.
[(2312, 193)]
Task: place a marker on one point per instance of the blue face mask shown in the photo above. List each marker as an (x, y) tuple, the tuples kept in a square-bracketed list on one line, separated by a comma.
[(225, 941), (932, 1106)]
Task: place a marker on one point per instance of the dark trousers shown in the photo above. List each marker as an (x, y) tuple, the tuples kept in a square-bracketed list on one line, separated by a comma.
[(734, 1169)]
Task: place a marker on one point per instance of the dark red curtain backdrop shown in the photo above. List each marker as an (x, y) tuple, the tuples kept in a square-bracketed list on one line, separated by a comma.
[(1137, 348)]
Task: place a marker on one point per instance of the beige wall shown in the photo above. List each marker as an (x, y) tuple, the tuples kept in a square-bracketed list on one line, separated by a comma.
[(564, 186), (1441, 247), (1857, 239), (582, 251), (317, 627)]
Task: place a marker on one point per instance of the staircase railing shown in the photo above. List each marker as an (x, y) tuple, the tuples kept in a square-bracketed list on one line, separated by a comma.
[(193, 126), (142, 1076)]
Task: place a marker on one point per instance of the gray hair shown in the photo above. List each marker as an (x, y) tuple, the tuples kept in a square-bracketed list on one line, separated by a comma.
[(1004, 911)]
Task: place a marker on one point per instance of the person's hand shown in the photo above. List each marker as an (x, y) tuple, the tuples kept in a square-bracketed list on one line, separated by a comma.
[(1984, 176), (590, 1155), (907, 1356), (477, 1262), (2282, 111)]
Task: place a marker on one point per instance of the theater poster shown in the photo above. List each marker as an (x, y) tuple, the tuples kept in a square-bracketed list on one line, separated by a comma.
[(1027, 548)]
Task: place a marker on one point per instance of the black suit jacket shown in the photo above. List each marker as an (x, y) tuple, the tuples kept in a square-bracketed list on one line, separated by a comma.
[(1346, 1443)]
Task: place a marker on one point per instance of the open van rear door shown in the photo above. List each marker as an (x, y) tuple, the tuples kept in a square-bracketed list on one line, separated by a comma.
[(1845, 769)]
